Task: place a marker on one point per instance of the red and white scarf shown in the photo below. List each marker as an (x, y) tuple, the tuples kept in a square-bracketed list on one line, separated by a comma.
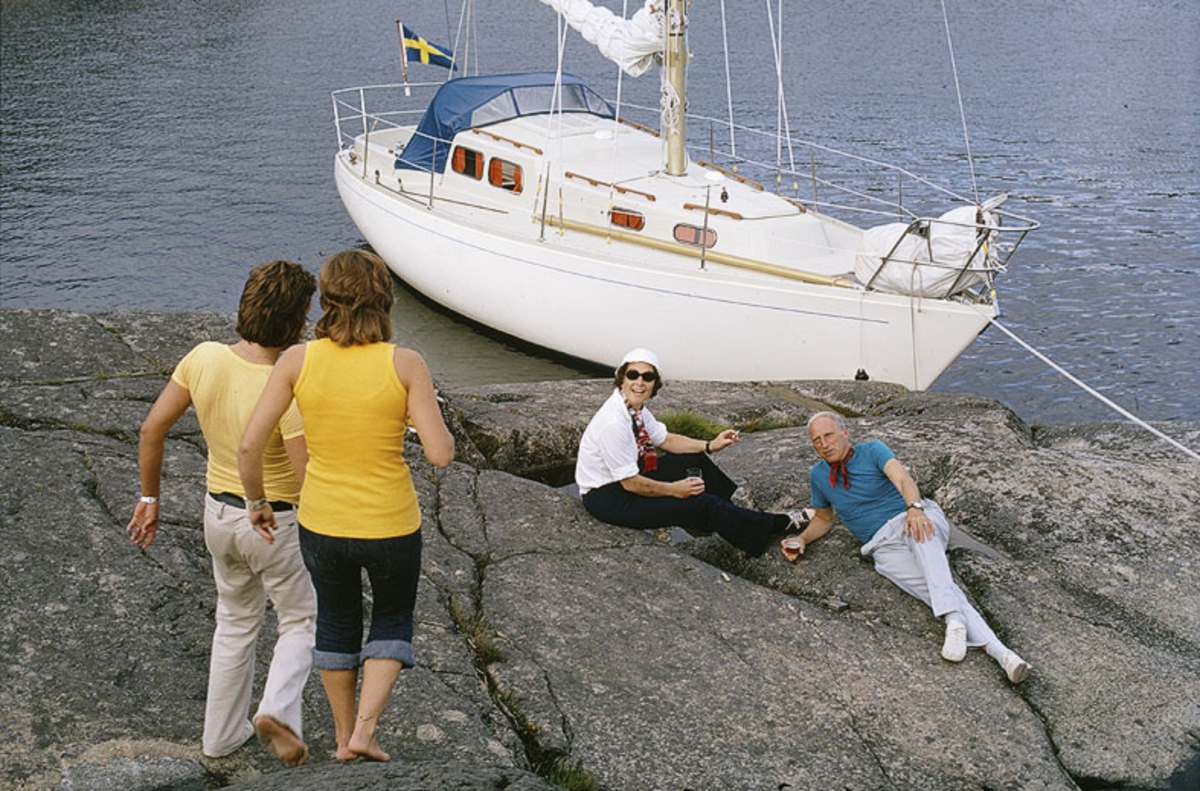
[(647, 455), (839, 468)]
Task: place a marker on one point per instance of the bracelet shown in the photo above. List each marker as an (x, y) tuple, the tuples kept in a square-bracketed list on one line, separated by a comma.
[(708, 446), (147, 499), (256, 503)]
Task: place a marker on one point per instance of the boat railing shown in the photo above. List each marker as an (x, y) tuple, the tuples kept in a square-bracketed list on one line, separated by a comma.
[(992, 247), (830, 181), (364, 110), (823, 178)]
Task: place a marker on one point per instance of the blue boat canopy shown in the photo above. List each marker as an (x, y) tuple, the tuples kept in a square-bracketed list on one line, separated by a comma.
[(469, 102)]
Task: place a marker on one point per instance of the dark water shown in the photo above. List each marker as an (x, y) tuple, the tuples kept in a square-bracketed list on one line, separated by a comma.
[(153, 151)]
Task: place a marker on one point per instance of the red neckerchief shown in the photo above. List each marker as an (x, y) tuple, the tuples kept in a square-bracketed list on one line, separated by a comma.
[(647, 455), (839, 467)]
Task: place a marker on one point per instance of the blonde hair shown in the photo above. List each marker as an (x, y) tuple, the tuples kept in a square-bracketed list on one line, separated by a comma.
[(356, 299)]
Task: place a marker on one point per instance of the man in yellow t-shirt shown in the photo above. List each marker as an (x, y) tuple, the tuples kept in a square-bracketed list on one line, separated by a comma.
[(223, 383)]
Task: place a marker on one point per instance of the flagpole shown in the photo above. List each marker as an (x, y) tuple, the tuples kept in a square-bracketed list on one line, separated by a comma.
[(403, 59)]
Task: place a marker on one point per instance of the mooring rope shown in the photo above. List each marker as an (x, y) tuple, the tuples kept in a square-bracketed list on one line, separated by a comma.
[(1092, 391)]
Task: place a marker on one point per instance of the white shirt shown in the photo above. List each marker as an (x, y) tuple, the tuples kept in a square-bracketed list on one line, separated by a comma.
[(608, 451)]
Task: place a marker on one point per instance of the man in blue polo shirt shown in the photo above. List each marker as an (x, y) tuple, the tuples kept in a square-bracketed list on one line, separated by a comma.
[(904, 535)]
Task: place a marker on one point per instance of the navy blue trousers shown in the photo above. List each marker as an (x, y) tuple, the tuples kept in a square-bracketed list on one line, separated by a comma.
[(711, 512)]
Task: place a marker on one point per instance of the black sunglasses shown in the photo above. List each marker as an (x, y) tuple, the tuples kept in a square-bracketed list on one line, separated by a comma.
[(633, 375)]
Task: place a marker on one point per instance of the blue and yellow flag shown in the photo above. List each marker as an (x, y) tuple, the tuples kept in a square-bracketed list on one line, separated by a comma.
[(417, 48)]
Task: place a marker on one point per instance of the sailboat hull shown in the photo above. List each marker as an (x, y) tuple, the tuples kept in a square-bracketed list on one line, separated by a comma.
[(706, 322)]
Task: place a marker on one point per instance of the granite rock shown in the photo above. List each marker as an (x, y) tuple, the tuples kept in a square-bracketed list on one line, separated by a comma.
[(553, 647)]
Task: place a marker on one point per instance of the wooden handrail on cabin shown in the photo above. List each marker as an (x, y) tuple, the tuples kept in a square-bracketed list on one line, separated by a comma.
[(713, 210), (731, 174), (508, 140), (636, 125), (598, 183), (711, 256), (803, 209)]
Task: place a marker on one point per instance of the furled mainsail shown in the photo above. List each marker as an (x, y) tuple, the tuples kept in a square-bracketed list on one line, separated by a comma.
[(630, 43)]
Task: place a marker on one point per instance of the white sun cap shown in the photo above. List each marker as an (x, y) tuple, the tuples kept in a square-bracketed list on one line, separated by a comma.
[(640, 355)]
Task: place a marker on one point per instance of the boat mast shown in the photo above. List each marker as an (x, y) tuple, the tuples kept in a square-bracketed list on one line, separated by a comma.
[(675, 106)]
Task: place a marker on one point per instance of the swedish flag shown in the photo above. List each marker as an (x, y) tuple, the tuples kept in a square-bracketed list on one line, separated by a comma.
[(419, 49)]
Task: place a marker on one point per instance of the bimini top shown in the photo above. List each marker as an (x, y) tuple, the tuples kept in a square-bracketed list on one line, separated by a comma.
[(469, 102)]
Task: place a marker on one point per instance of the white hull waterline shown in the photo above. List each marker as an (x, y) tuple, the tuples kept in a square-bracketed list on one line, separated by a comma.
[(563, 230)]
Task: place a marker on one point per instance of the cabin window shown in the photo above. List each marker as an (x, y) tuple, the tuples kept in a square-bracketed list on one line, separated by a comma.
[(691, 234), (467, 162), (505, 175), (624, 218)]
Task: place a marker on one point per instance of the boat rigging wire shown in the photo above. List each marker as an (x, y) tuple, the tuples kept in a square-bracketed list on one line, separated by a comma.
[(962, 113), (728, 83), (783, 130), (1090, 390)]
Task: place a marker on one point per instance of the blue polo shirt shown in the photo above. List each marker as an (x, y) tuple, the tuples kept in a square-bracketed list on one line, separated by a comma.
[(872, 498)]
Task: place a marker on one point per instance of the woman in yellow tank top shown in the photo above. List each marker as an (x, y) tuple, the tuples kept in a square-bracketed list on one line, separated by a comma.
[(357, 395)]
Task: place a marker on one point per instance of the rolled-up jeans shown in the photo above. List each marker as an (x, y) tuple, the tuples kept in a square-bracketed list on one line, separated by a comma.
[(393, 566)]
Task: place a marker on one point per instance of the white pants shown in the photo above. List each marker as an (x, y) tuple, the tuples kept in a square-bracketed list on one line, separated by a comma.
[(247, 570), (920, 569)]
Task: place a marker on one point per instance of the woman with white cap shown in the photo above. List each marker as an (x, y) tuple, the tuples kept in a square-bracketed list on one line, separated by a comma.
[(623, 480)]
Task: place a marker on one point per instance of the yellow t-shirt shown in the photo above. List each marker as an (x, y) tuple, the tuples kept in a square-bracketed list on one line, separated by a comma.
[(224, 389), (357, 483)]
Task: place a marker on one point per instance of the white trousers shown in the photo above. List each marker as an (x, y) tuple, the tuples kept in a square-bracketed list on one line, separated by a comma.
[(920, 569), (247, 570)]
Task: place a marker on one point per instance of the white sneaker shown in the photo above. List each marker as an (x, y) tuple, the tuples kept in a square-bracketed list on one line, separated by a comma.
[(798, 520), (955, 647), (1016, 668)]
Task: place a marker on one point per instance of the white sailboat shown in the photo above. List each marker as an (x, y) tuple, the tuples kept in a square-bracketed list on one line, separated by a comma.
[(527, 203)]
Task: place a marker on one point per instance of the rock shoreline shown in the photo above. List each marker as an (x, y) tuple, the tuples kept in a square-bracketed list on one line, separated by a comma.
[(552, 647)]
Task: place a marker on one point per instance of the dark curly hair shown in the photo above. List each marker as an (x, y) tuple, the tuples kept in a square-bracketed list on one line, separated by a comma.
[(275, 302)]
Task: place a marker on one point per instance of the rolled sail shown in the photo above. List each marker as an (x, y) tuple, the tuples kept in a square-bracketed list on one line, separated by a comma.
[(630, 43)]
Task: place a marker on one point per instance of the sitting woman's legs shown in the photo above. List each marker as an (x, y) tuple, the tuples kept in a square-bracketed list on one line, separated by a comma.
[(747, 529)]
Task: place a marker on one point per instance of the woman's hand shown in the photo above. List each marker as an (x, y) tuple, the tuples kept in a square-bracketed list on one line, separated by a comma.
[(144, 524), (723, 440), (263, 522), (688, 487)]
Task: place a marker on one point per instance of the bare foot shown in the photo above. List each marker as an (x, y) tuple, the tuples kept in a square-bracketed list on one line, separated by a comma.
[(368, 749), (282, 741), (343, 754)]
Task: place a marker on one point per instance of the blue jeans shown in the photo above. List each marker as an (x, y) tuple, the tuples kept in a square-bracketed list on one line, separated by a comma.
[(393, 566)]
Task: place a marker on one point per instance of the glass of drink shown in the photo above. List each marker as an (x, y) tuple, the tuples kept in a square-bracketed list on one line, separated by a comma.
[(791, 547)]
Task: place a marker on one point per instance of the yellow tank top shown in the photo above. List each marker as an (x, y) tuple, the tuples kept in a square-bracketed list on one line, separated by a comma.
[(356, 484)]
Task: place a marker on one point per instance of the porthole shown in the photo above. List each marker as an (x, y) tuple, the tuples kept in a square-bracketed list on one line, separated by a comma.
[(694, 235)]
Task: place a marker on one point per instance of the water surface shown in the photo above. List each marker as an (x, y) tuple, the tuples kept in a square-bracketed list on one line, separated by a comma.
[(153, 152)]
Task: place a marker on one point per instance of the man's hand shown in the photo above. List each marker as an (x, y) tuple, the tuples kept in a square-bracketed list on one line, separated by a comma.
[(918, 525), (793, 547)]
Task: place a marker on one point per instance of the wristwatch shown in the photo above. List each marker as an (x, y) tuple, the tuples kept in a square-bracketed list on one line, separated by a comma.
[(916, 504)]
